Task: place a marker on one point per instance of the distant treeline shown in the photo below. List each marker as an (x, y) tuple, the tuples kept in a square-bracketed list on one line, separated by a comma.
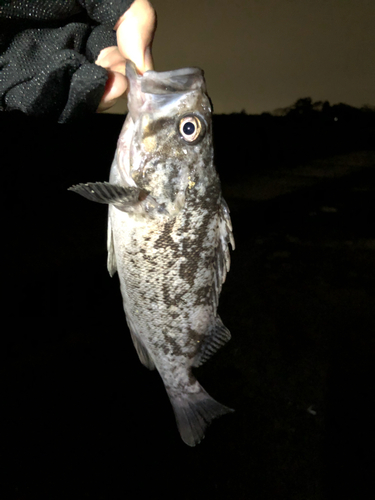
[(292, 135)]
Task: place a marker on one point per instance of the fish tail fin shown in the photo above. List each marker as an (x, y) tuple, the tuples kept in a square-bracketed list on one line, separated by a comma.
[(194, 411)]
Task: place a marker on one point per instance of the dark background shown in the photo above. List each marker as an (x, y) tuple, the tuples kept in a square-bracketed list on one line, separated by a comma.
[(84, 419)]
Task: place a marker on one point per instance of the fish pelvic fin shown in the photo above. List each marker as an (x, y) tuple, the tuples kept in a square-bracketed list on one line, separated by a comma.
[(111, 258), (217, 336), (194, 411), (142, 351)]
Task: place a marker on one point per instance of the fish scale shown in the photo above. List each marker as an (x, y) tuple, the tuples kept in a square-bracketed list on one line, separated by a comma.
[(168, 235)]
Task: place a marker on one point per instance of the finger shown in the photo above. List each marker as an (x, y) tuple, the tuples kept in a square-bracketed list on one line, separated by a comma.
[(110, 58), (115, 88)]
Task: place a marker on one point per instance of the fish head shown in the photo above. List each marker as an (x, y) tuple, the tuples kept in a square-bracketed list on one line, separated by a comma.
[(169, 142)]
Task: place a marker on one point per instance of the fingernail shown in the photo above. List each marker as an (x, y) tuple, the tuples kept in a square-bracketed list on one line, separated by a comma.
[(104, 105)]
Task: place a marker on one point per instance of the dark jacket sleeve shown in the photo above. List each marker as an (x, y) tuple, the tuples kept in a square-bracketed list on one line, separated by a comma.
[(48, 51)]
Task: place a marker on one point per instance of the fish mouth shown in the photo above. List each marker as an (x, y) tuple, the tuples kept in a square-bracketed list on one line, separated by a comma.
[(162, 85)]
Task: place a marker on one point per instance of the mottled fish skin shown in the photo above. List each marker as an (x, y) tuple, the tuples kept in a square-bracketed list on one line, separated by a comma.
[(171, 249)]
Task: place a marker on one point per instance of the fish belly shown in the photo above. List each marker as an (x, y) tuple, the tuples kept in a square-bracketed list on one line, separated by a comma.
[(167, 301)]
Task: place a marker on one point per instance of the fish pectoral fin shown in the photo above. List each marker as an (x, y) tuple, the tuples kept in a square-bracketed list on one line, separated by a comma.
[(126, 199), (217, 336), (121, 197)]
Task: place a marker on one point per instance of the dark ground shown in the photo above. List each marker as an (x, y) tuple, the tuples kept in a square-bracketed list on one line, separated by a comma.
[(84, 419)]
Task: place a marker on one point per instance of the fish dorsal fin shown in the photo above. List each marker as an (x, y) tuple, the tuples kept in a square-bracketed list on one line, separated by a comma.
[(217, 336), (222, 261)]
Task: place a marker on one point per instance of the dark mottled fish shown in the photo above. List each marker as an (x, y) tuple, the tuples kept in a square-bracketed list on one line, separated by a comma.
[(168, 235)]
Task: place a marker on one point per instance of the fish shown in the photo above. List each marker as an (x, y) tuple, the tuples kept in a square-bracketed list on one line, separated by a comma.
[(169, 231)]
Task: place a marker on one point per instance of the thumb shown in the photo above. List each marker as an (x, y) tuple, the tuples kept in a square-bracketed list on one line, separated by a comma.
[(135, 31)]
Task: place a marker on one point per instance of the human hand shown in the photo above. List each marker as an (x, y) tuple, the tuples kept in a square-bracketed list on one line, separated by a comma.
[(135, 32)]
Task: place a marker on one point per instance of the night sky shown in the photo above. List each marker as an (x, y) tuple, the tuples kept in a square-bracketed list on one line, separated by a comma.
[(261, 55)]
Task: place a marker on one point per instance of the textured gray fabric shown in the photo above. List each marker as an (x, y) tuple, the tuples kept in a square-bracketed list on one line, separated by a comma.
[(47, 54)]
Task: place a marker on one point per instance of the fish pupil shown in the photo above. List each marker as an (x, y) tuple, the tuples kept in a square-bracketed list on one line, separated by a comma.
[(189, 128)]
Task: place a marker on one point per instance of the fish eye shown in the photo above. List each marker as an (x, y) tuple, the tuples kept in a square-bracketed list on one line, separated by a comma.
[(190, 128)]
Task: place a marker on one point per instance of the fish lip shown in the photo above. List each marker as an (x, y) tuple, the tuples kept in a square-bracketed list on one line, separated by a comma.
[(204, 126)]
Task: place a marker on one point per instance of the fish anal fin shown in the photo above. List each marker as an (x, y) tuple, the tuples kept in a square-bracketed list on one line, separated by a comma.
[(217, 336)]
